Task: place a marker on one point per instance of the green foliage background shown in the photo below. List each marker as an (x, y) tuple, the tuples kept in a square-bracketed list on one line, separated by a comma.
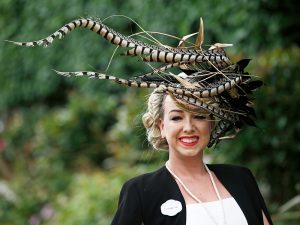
[(67, 145)]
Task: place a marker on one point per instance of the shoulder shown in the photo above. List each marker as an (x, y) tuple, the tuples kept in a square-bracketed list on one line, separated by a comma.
[(236, 178), (229, 168), (232, 172), (151, 187), (146, 180)]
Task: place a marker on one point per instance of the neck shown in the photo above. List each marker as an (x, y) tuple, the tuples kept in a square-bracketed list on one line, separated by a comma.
[(187, 166)]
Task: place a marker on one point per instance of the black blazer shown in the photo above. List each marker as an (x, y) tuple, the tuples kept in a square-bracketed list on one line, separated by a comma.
[(141, 197)]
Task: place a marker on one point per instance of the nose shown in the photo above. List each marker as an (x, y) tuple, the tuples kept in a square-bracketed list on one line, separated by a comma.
[(188, 126)]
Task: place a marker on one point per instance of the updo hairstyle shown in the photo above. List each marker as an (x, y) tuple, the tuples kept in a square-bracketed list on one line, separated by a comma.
[(155, 111)]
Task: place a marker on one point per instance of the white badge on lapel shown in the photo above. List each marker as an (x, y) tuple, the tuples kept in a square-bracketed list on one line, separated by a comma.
[(171, 207)]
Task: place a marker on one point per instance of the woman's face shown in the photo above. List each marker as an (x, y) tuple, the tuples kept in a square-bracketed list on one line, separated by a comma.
[(187, 134)]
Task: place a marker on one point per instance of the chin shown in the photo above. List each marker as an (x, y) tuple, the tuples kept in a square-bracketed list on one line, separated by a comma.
[(191, 153)]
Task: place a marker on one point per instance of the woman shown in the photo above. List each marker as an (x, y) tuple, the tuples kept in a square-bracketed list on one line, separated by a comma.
[(186, 113), (185, 190)]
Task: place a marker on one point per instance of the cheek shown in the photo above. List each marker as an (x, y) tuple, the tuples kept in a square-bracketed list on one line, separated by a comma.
[(167, 129), (161, 125), (207, 127)]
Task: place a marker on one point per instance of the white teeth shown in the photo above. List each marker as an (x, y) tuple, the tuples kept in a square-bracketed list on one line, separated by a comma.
[(189, 140)]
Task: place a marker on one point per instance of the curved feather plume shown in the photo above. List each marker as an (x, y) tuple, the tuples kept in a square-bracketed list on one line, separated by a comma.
[(207, 74), (173, 88), (156, 53)]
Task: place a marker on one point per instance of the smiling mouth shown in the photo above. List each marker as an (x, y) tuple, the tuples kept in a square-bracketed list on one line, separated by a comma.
[(189, 141)]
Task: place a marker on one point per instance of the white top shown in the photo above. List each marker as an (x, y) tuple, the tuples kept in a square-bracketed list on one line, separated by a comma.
[(197, 214)]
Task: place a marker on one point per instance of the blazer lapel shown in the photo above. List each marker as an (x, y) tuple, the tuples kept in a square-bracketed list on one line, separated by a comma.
[(158, 189), (236, 187)]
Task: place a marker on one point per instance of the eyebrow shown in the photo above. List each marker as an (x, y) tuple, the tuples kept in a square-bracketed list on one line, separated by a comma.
[(176, 111)]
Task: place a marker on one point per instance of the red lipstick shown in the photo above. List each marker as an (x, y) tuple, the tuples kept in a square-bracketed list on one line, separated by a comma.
[(188, 141)]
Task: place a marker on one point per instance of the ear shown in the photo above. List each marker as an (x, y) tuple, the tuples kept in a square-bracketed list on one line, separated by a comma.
[(161, 127)]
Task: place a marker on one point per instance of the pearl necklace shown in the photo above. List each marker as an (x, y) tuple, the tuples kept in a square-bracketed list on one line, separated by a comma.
[(198, 200)]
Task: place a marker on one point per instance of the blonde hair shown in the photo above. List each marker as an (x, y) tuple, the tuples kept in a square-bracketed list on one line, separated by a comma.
[(151, 117), (155, 112)]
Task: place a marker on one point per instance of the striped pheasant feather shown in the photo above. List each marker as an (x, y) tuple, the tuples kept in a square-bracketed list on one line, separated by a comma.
[(152, 53), (207, 74)]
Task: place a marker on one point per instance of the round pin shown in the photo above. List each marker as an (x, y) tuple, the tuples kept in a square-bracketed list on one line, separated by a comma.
[(171, 207)]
